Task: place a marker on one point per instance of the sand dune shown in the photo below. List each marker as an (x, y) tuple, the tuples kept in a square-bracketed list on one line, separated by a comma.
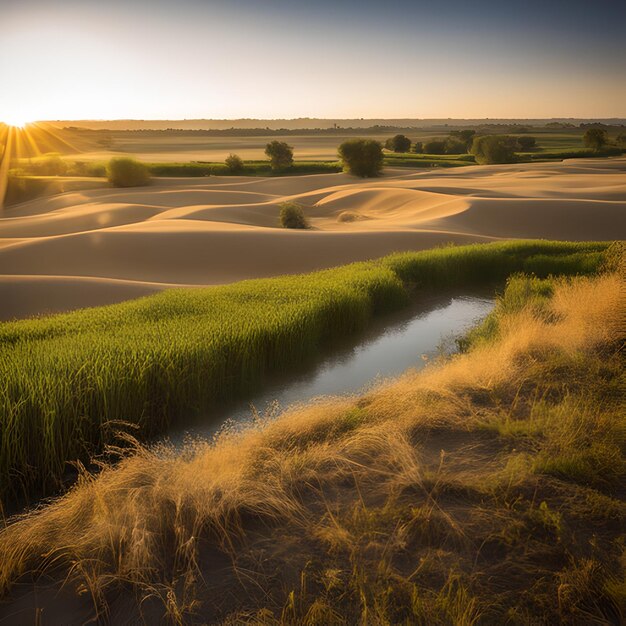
[(105, 245)]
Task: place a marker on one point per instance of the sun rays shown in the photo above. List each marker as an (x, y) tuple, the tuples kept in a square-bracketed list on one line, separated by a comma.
[(20, 140)]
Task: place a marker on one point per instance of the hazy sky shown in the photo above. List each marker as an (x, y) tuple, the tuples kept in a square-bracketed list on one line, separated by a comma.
[(332, 58)]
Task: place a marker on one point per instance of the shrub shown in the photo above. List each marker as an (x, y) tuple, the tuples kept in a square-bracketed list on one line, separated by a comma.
[(490, 149), (280, 154), (465, 136), (87, 168), (23, 188), (621, 139), (349, 216), (292, 216), (595, 138), (52, 165), (455, 146), (127, 172), (418, 147), (399, 143), (526, 143), (362, 157), (234, 163), (435, 146)]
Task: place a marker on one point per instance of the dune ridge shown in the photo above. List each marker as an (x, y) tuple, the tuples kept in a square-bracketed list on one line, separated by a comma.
[(104, 245)]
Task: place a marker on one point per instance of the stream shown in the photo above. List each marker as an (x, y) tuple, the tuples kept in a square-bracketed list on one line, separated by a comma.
[(391, 344)]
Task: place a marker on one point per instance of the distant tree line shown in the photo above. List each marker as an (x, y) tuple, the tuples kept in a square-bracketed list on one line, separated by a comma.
[(485, 148)]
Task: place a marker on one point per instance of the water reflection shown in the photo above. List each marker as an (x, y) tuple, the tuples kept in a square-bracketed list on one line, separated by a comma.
[(390, 346)]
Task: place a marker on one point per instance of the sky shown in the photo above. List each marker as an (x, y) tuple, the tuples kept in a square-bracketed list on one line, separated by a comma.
[(186, 59)]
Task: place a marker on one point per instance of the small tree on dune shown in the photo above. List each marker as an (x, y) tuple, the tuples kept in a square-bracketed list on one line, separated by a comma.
[(466, 136), (280, 154), (362, 157), (398, 143), (292, 216), (595, 138), (234, 163), (526, 142), (435, 146), (490, 149), (455, 146), (127, 172)]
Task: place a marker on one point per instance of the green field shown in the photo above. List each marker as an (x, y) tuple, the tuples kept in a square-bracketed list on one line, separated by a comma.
[(199, 156), (69, 382)]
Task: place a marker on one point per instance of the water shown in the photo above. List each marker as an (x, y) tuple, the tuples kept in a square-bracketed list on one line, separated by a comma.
[(393, 344)]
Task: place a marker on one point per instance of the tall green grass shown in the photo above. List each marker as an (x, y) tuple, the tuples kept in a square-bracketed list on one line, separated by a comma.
[(68, 381)]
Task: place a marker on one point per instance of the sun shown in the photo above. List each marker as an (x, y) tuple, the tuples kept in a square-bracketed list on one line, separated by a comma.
[(16, 121)]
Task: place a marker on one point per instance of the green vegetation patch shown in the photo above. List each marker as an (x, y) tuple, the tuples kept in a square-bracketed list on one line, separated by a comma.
[(68, 382), (250, 168)]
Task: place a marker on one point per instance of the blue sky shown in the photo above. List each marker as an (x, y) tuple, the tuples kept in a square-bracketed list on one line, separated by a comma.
[(342, 58)]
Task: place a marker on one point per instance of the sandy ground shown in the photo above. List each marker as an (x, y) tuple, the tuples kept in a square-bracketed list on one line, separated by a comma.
[(98, 246)]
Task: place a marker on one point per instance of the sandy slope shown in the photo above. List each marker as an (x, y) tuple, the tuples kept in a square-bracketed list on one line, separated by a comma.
[(105, 245)]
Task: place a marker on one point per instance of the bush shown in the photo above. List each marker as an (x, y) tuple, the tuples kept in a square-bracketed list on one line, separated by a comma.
[(465, 136), (23, 188), (362, 157), (435, 146), (455, 146), (127, 172), (595, 138), (621, 139), (490, 149), (526, 143), (418, 147), (280, 154), (399, 143), (234, 163), (349, 216), (52, 165), (87, 168), (292, 216)]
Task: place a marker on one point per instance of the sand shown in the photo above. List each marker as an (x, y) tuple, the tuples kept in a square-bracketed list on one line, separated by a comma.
[(104, 245)]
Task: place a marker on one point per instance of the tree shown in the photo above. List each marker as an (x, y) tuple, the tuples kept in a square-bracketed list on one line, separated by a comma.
[(490, 149), (126, 172), (292, 216), (435, 146), (455, 146), (418, 147), (362, 157), (526, 143), (466, 136), (595, 138), (399, 143), (234, 164), (280, 154), (621, 139)]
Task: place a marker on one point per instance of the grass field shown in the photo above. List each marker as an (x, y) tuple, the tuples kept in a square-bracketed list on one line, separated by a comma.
[(69, 382), (487, 489), (203, 156)]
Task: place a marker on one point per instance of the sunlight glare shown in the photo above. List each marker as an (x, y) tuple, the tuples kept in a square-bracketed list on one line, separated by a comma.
[(16, 121)]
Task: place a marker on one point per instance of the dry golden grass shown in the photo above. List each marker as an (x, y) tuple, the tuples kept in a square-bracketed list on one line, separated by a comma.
[(486, 489)]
